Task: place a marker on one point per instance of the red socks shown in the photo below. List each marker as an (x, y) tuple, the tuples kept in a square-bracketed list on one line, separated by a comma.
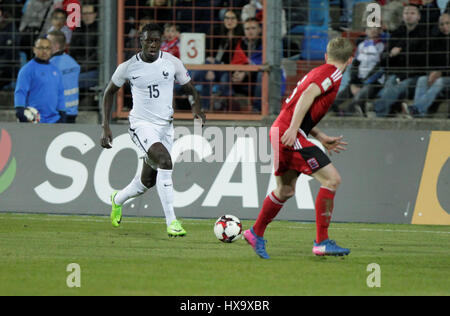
[(271, 207), (324, 209)]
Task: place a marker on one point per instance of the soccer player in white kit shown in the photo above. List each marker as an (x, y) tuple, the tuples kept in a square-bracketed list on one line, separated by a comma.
[(151, 74)]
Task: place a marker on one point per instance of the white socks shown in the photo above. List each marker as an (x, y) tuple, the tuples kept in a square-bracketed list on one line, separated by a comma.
[(164, 185), (134, 189)]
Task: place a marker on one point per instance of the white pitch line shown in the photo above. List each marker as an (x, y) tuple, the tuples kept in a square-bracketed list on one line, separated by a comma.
[(130, 220)]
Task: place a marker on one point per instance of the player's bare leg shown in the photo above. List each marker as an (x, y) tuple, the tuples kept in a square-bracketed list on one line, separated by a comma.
[(160, 155), (330, 180), (270, 209), (286, 185)]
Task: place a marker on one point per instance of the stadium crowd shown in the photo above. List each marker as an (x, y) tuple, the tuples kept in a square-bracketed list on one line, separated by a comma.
[(400, 67)]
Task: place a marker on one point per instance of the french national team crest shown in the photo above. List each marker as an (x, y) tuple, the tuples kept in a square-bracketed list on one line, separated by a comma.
[(166, 74)]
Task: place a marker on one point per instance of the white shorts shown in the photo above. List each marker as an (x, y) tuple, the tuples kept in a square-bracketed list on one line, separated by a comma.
[(145, 134)]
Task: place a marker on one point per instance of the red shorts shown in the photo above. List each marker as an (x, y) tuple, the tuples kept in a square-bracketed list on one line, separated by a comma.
[(303, 157)]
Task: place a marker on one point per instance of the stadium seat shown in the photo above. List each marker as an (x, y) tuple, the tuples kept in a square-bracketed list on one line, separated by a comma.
[(318, 20), (314, 45)]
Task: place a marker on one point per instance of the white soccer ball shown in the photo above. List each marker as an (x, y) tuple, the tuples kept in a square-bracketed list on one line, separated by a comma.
[(32, 115), (228, 228)]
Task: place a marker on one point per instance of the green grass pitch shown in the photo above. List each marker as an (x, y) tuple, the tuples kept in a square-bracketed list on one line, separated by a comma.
[(140, 259)]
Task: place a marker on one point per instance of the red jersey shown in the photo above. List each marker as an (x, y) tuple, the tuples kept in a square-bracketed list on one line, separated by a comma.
[(328, 78), (172, 47)]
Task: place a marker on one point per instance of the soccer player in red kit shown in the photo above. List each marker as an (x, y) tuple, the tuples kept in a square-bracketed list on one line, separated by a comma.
[(294, 154)]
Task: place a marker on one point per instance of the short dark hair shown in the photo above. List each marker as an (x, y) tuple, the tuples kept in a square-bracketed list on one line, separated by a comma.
[(60, 38), (40, 38), (413, 5), (152, 27), (56, 11)]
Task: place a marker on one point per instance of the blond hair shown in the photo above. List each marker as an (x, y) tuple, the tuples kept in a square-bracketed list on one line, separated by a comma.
[(340, 49)]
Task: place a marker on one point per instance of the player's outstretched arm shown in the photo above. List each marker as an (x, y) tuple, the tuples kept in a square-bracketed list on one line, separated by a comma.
[(197, 111), (107, 103), (302, 107)]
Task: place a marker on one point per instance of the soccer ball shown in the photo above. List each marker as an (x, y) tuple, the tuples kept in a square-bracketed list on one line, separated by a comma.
[(228, 228), (32, 115)]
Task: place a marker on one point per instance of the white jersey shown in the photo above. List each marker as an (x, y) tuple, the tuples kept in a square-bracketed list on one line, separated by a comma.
[(152, 86)]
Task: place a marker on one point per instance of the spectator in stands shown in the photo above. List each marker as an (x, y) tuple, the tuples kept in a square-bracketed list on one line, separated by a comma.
[(7, 51), (431, 86), (225, 38), (70, 71), (403, 60), (430, 13), (254, 10), (366, 79), (70, 6), (248, 51), (59, 18), (392, 14), (39, 85), (84, 47), (32, 23), (171, 43)]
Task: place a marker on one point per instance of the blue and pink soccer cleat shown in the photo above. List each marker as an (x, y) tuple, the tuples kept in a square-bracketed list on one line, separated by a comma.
[(329, 248), (258, 243)]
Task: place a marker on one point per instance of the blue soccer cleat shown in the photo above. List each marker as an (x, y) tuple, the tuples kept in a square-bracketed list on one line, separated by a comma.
[(258, 243), (329, 248)]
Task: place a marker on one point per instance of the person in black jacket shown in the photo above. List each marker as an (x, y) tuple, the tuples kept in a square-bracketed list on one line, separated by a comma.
[(429, 87), (404, 60), (430, 13), (84, 47)]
